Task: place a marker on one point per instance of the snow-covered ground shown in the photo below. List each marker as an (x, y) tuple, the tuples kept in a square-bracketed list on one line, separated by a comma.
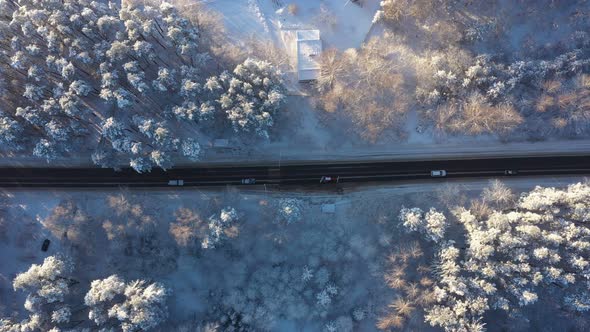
[(343, 24), (312, 152)]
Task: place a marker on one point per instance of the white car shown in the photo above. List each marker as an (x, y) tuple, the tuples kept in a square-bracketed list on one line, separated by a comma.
[(438, 173)]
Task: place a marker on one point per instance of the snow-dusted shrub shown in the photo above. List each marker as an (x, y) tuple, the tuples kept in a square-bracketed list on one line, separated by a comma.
[(366, 87), (498, 193), (132, 230), (476, 116), (290, 210)]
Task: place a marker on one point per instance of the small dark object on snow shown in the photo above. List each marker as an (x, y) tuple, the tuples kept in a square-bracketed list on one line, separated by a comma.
[(45, 245)]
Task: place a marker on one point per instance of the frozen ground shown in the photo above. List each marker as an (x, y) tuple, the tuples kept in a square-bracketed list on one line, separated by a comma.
[(259, 268), (343, 25)]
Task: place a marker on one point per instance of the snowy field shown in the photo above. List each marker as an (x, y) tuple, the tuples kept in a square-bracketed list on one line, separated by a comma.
[(261, 260)]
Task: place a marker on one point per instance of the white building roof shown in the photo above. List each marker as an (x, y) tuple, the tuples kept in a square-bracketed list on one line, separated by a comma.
[(309, 48)]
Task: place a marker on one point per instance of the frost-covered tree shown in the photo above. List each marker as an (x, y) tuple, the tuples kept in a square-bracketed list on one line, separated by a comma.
[(187, 228), (47, 286), (432, 224), (251, 96), (191, 149), (45, 149), (221, 227), (134, 306), (11, 133)]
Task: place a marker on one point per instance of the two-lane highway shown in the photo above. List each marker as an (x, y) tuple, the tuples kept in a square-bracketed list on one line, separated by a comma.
[(295, 174)]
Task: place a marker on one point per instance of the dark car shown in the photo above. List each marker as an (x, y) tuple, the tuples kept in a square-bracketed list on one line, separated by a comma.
[(45, 245), (329, 179), (510, 172), (249, 181)]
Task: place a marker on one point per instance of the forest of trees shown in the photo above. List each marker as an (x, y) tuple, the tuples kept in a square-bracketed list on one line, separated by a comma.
[(452, 63), (149, 84), (506, 252), (119, 82)]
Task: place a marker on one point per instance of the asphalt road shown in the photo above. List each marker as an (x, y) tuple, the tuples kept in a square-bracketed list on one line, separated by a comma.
[(300, 174)]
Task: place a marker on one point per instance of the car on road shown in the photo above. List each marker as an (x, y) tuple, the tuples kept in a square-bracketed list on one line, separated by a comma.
[(329, 179), (176, 182), (510, 172), (438, 173), (249, 181), (45, 245)]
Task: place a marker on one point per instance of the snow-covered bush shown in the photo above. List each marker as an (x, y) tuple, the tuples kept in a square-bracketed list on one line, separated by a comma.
[(290, 210)]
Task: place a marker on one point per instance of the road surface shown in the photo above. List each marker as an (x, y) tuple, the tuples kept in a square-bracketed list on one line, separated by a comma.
[(296, 174)]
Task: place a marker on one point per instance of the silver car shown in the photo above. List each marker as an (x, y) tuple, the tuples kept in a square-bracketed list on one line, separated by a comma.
[(438, 173)]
